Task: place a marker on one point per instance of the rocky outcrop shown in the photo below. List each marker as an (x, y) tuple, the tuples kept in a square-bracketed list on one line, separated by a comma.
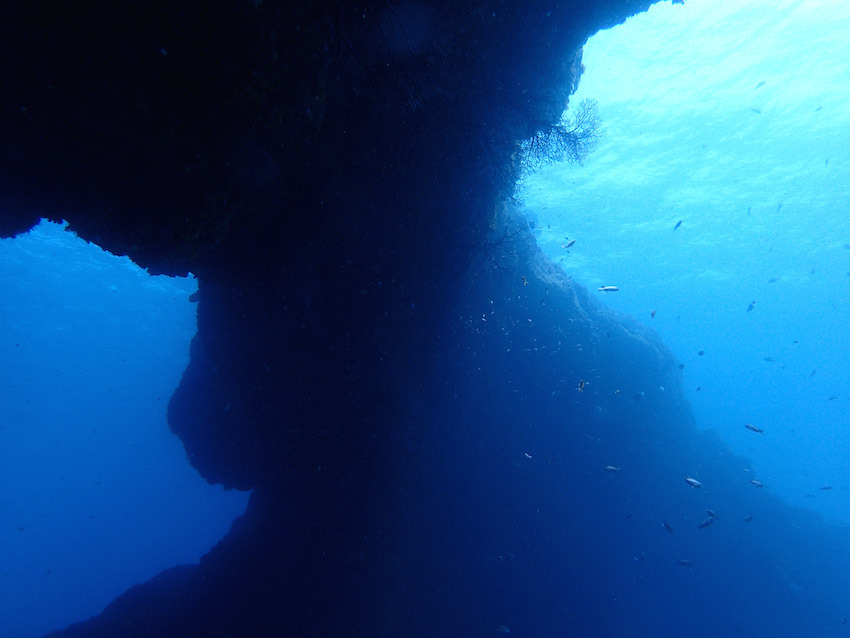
[(393, 376)]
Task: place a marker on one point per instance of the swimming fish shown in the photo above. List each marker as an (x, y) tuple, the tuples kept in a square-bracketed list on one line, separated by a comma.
[(756, 482), (692, 482), (676, 227), (612, 468), (750, 307), (753, 428), (608, 289), (667, 526), (570, 243), (706, 522)]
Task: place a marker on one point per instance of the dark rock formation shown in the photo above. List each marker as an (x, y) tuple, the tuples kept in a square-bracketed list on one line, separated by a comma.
[(369, 359)]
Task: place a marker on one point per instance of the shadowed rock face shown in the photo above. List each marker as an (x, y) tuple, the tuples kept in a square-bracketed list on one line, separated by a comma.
[(382, 353), (309, 163), (330, 173)]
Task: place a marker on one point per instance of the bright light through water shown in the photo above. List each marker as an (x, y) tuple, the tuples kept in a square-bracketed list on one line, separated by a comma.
[(732, 118)]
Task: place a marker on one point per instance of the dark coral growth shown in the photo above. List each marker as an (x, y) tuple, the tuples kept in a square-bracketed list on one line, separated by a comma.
[(570, 140)]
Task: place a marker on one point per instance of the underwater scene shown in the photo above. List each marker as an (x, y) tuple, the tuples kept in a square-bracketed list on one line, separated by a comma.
[(98, 495), (716, 201), (620, 409)]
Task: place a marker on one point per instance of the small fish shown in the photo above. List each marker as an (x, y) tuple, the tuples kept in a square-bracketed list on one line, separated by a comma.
[(570, 243), (676, 227), (711, 513), (652, 314), (580, 386), (524, 281), (826, 488), (693, 482), (706, 522), (701, 353), (748, 518), (503, 629), (608, 289), (756, 482), (684, 562), (612, 468), (760, 84), (750, 307), (753, 428), (756, 111), (667, 526), (527, 455), (773, 280), (779, 208), (768, 359)]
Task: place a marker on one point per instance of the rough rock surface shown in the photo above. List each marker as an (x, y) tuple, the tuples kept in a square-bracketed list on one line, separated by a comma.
[(335, 174)]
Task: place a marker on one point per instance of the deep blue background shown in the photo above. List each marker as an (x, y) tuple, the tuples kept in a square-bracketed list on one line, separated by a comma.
[(96, 491)]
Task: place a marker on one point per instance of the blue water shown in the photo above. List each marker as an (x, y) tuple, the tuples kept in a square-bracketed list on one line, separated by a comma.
[(732, 118), (729, 118), (97, 494)]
